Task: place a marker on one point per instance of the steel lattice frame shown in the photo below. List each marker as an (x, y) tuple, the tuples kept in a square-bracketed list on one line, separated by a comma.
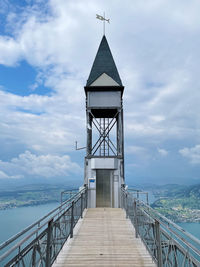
[(104, 146)]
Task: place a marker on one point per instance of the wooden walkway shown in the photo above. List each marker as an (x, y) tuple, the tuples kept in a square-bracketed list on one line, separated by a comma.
[(104, 237)]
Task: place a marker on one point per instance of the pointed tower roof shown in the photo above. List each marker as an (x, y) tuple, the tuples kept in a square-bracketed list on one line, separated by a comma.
[(104, 63)]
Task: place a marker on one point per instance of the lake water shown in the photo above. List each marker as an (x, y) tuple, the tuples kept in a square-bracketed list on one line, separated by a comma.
[(193, 228), (14, 220)]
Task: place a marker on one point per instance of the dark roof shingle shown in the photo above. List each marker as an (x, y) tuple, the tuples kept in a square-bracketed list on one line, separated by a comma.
[(104, 63)]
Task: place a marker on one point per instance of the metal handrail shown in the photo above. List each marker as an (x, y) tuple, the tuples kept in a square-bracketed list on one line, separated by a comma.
[(139, 192), (70, 192), (162, 232), (13, 238), (53, 216), (190, 236), (171, 223), (159, 215)]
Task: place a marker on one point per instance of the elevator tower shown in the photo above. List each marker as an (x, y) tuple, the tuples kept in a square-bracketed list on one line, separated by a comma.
[(104, 161)]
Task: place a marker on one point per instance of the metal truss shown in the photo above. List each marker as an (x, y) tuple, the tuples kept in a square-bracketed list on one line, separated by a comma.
[(104, 145), (39, 244), (168, 244)]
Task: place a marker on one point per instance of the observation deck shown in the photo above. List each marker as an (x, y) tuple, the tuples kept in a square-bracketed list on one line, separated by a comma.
[(104, 237), (74, 235)]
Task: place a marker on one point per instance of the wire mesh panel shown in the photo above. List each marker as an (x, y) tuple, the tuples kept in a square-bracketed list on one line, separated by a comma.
[(40, 246), (168, 244)]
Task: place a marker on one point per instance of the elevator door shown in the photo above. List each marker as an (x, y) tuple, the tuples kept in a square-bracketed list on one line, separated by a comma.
[(103, 188)]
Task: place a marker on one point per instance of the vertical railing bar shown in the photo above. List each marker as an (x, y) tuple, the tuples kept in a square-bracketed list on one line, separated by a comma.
[(158, 243), (126, 205), (81, 205), (72, 220), (34, 257), (49, 241), (147, 198), (19, 250), (135, 218), (86, 205), (175, 257)]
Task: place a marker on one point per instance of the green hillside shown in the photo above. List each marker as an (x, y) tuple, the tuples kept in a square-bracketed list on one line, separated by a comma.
[(179, 203), (30, 195)]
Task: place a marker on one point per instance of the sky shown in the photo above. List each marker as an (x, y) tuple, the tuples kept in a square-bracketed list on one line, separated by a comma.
[(46, 52)]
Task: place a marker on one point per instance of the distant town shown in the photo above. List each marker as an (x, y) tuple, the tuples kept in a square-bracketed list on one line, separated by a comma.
[(179, 203)]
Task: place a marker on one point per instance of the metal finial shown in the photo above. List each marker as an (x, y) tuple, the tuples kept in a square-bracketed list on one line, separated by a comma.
[(103, 18)]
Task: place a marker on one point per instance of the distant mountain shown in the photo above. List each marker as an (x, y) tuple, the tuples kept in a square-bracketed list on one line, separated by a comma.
[(177, 191), (29, 195)]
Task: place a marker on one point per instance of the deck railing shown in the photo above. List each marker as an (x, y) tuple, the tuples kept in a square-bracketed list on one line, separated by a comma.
[(40, 243), (168, 244)]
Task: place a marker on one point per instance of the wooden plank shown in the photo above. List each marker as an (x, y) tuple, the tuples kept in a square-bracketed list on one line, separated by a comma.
[(104, 237)]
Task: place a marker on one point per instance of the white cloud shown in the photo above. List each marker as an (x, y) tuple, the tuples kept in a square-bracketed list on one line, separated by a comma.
[(162, 152), (136, 150), (3, 175), (10, 51), (30, 165), (156, 49), (42, 123), (193, 154)]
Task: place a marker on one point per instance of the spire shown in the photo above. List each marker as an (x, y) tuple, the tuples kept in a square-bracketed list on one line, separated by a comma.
[(104, 63)]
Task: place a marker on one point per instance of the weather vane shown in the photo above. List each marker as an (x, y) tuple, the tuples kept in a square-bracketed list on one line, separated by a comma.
[(103, 19)]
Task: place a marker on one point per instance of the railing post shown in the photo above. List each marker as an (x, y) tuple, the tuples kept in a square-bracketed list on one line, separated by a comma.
[(61, 197), (34, 256), (86, 198), (158, 244), (72, 220), (126, 205), (19, 256), (49, 242), (121, 199), (135, 218), (147, 198), (175, 257), (81, 205)]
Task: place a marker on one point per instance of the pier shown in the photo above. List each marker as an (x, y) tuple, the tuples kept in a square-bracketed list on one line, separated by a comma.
[(104, 237)]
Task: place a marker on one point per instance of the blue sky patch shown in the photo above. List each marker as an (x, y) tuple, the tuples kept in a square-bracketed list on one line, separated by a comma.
[(20, 80)]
